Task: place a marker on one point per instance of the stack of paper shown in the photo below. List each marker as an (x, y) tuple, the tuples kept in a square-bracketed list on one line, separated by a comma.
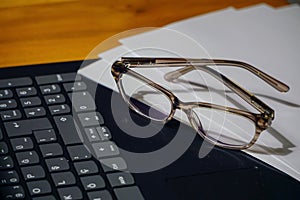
[(262, 36)]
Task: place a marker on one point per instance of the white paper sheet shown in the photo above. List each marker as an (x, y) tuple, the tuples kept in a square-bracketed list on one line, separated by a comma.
[(264, 37)]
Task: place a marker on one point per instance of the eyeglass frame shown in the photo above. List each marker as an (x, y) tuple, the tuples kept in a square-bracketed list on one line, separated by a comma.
[(262, 120)]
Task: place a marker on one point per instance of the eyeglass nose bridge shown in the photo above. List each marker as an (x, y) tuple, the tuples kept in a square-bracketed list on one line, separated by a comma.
[(194, 120), (183, 106)]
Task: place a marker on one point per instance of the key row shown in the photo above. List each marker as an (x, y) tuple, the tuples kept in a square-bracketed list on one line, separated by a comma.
[(24, 128), (34, 112), (83, 101), (41, 80), (65, 179), (85, 169), (49, 136), (66, 124), (77, 153), (69, 87), (45, 90), (17, 192)]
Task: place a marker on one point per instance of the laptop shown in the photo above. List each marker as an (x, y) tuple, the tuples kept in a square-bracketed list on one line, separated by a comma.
[(63, 136)]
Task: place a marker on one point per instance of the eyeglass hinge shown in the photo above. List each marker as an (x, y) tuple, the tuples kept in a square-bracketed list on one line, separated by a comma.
[(266, 120)]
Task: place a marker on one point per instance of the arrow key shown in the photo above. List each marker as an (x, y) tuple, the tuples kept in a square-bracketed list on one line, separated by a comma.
[(90, 119)]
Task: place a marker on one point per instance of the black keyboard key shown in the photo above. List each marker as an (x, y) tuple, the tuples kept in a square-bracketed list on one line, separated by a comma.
[(35, 112), (63, 179), (9, 177), (26, 92), (92, 134), (45, 136), (57, 78), (113, 164), (39, 187), (13, 192), (50, 150), (15, 82), (19, 144), (74, 87), (68, 129), (6, 162), (30, 101), (7, 93), (3, 148), (86, 168), (104, 133), (79, 152), (90, 119), (70, 193), (27, 158), (120, 179), (59, 109), (99, 195), (10, 115), (25, 127), (92, 182), (44, 198), (1, 135), (82, 101), (128, 193), (105, 149), (8, 104), (55, 99), (33, 172), (50, 89), (57, 164)]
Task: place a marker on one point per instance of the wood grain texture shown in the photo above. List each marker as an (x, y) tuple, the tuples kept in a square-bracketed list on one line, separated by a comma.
[(69, 30), (15, 3)]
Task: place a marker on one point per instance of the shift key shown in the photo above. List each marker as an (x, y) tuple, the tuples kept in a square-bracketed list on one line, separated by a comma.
[(26, 127), (68, 129)]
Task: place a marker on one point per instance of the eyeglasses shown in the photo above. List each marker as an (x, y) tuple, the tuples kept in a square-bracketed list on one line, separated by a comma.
[(223, 126)]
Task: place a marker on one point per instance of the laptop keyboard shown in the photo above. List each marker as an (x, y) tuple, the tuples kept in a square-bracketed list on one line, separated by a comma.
[(51, 148)]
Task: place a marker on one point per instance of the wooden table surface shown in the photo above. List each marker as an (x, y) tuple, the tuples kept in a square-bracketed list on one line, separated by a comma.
[(41, 31)]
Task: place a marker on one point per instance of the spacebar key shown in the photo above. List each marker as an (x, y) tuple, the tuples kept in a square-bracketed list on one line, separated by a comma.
[(68, 129), (25, 127)]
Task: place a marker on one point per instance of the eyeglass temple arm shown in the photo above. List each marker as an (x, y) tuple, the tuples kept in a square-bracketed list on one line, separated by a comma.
[(244, 94), (247, 96), (142, 62)]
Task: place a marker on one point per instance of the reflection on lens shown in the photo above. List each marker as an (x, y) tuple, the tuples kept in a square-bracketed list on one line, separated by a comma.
[(224, 127), (145, 99)]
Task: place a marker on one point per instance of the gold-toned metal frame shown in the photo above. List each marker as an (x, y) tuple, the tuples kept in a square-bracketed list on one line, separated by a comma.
[(262, 120)]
